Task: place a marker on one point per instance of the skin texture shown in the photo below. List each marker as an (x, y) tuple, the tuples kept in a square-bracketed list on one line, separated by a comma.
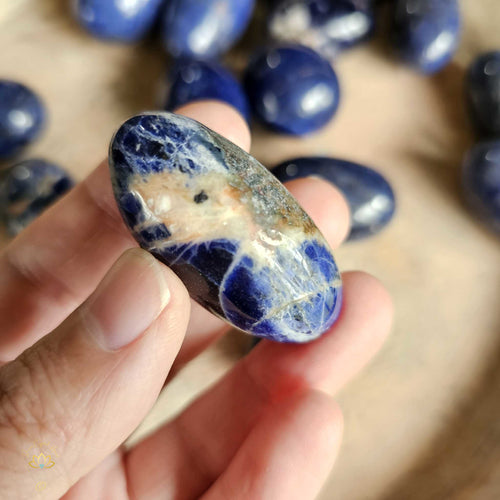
[(88, 314)]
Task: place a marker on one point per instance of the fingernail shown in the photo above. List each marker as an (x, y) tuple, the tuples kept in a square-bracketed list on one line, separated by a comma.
[(128, 300)]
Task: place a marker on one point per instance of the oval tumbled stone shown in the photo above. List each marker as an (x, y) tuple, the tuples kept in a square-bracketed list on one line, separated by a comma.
[(369, 196), (241, 244)]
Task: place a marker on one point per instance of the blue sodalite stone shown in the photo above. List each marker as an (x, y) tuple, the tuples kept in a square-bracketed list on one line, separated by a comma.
[(292, 89), (204, 29), (119, 20), (197, 80), (369, 196), (27, 189), (241, 244), (324, 25), (481, 181), (483, 93), (426, 33), (22, 117)]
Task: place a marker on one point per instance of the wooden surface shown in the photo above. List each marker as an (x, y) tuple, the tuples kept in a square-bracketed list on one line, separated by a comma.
[(423, 421)]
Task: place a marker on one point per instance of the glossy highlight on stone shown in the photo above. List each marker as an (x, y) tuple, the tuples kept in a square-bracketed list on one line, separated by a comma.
[(118, 20), (425, 33), (196, 80), (324, 25), (22, 117), (483, 93), (204, 29), (292, 89), (27, 189), (239, 241), (369, 196), (481, 182)]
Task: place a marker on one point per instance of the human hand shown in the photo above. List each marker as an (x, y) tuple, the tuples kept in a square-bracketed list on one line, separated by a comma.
[(91, 326)]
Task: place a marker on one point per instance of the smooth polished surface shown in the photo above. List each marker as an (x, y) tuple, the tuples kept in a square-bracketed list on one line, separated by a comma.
[(239, 241), (193, 80), (204, 29), (27, 189), (325, 26), (369, 196), (119, 20), (425, 33), (481, 182), (483, 93), (292, 89), (22, 117)]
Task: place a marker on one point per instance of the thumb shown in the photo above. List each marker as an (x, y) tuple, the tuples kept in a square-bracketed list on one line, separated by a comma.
[(80, 391)]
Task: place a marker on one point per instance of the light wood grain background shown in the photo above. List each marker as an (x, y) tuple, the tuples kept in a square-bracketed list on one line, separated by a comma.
[(423, 421)]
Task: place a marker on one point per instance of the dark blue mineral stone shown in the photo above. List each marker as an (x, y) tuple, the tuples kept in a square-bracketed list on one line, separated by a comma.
[(369, 196), (241, 244), (22, 117), (27, 189), (425, 33), (292, 89), (324, 25), (203, 29), (119, 20), (196, 80), (483, 93), (481, 182)]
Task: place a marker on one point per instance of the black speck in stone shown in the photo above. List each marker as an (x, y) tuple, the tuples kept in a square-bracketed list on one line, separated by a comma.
[(201, 197), (155, 149)]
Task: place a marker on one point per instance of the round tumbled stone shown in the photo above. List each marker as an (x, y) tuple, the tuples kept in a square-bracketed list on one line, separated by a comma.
[(193, 80), (22, 117), (204, 29), (27, 189), (369, 196), (325, 26), (481, 182), (292, 89), (483, 93), (118, 20), (425, 33)]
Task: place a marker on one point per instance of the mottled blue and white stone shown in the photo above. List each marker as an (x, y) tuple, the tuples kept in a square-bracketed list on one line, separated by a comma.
[(325, 26), (239, 241), (27, 189), (204, 29), (369, 196)]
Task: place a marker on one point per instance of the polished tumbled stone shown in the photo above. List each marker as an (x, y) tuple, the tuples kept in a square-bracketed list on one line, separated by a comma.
[(425, 33), (325, 26), (196, 80), (204, 29), (22, 117), (369, 196), (292, 89), (481, 182), (241, 244), (483, 93), (27, 189), (119, 20)]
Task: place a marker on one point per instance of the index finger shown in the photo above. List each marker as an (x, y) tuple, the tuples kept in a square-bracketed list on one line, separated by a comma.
[(55, 264)]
